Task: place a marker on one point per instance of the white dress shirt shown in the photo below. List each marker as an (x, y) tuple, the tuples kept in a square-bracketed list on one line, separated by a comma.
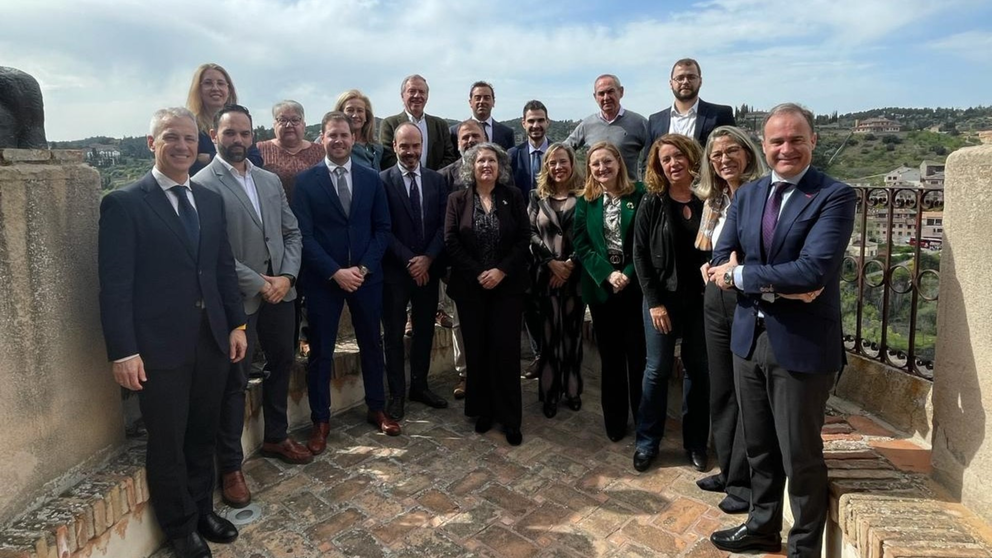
[(246, 182), (422, 124), (332, 166), (684, 124)]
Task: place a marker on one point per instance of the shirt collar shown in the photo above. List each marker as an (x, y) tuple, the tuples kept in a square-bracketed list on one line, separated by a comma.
[(331, 165), (404, 170), (413, 118), (164, 182), (619, 114), (794, 180), (691, 112), (248, 166), (488, 121), (542, 149)]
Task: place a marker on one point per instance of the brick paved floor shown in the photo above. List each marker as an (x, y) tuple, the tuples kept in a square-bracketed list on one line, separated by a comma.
[(442, 490)]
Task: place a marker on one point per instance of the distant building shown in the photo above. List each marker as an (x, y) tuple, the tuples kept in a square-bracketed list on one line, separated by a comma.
[(879, 125), (102, 155), (903, 177), (933, 225), (931, 174)]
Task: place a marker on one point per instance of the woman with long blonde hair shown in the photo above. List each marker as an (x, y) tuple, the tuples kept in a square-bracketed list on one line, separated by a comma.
[(210, 91)]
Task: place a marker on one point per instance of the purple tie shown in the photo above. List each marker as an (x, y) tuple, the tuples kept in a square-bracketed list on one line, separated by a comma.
[(770, 217)]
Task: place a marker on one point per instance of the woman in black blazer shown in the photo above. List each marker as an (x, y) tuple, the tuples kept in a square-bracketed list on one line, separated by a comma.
[(486, 233), (556, 278)]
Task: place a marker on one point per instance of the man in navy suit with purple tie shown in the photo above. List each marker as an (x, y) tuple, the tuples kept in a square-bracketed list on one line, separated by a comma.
[(788, 232)]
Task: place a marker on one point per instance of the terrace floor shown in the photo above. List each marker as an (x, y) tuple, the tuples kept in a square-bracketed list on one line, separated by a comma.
[(441, 490)]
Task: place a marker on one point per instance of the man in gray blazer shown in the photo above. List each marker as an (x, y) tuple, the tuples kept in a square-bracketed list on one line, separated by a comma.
[(267, 246)]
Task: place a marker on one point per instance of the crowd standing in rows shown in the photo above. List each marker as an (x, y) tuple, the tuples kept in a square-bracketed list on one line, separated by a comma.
[(213, 252)]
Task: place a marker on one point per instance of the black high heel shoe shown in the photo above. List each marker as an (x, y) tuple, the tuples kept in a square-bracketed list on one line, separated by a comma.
[(574, 403), (550, 408)]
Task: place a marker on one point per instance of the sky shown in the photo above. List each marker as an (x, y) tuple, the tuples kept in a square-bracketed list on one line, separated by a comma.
[(105, 65)]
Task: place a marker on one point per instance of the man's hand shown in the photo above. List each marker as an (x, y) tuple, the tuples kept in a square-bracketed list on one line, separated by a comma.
[(618, 281), (805, 297), (716, 273), (705, 269), (490, 278), (130, 373), (660, 319), (239, 345), (418, 265), (277, 288), (349, 279)]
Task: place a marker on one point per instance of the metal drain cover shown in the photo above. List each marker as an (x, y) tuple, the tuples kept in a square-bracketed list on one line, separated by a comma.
[(243, 516)]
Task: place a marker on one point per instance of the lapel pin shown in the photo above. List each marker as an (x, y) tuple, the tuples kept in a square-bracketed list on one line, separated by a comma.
[(504, 202), (630, 205)]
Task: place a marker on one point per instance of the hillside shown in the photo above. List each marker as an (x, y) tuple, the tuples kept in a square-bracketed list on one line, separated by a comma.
[(868, 157)]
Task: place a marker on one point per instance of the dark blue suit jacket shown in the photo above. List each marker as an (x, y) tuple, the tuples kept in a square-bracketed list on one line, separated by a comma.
[(331, 240), (401, 235), (812, 234), (708, 117), (520, 163), (152, 282), (502, 135)]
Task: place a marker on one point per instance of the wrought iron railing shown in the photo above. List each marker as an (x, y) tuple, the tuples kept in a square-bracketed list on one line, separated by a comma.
[(890, 278)]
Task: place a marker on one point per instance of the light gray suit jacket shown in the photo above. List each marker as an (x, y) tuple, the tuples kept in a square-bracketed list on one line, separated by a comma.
[(256, 244)]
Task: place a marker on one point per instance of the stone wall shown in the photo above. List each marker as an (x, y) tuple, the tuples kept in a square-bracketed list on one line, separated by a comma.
[(962, 389), (59, 406)]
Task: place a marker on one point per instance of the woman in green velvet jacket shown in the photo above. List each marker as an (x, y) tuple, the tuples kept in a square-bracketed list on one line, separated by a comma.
[(603, 239)]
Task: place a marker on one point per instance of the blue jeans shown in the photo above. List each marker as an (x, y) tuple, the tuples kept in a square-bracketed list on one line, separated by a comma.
[(687, 323)]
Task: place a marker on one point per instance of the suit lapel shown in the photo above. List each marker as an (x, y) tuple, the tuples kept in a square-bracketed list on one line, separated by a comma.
[(324, 180), (160, 204), (594, 217), (626, 215), (803, 194), (239, 192), (398, 184)]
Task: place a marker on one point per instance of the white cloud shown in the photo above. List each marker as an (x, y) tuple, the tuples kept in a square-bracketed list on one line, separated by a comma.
[(105, 65)]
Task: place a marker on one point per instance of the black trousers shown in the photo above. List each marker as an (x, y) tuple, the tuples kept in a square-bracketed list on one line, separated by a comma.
[(272, 328), (491, 330), (181, 409), (728, 435), (423, 307), (782, 414), (620, 339)]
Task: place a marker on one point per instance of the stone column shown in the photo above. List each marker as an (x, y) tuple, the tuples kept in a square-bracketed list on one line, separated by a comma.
[(60, 409), (962, 389)]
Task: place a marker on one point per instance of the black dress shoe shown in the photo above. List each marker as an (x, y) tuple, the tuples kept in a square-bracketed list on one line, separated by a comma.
[(616, 435), (733, 504), (737, 539), (191, 546), (698, 459), (712, 483), (573, 403), (395, 408), (483, 425), (216, 529), (642, 460), (513, 436), (550, 409), (429, 398)]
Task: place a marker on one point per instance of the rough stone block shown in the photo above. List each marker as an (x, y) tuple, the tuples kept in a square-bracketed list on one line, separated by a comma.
[(68, 155), (12, 156)]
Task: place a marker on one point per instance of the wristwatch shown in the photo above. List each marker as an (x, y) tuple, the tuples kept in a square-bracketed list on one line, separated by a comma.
[(728, 277), (363, 270)]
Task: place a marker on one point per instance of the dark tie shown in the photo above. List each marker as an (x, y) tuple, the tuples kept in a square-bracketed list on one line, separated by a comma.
[(535, 167), (770, 217), (418, 219), (485, 129), (344, 194), (188, 216)]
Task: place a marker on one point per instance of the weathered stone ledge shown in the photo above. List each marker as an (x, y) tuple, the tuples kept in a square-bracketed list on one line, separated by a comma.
[(10, 156)]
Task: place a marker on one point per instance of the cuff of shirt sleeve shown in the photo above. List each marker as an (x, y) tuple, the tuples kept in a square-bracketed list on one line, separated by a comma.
[(125, 359), (739, 277)]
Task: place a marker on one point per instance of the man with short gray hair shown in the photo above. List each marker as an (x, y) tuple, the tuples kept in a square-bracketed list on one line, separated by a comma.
[(625, 129), (438, 150)]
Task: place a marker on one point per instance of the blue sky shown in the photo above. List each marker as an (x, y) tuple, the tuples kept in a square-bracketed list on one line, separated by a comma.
[(106, 65)]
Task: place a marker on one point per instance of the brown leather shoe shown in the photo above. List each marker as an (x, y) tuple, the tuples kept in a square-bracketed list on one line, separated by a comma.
[(386, 425), (289, 451), (459, 392), (317, 442), (234, 490)]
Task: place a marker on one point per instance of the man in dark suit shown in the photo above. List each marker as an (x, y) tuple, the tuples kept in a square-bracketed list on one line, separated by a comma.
[(689, 115), (173, 322), (344, 219), (412, 269), (525, 161), (789, 232), (482, 99), (438, 148), (267, 248)]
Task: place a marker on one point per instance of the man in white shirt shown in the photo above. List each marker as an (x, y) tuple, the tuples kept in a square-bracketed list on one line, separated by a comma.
[(482, 99), (689, 115)]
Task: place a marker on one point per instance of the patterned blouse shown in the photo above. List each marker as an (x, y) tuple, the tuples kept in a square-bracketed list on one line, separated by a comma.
[(287, 165), (486, 227), (611, 223)]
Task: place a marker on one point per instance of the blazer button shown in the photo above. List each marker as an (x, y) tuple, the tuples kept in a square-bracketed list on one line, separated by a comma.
[(266, 239)]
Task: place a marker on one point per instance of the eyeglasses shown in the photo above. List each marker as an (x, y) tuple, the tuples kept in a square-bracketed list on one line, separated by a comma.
[(685, 78), (294, 121), (731, 152)]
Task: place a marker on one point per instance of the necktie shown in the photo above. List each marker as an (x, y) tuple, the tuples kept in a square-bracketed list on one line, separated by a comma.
[(191, 222), (418, 218), (770, 217), (535, 167), (485, 129), (344, 194)]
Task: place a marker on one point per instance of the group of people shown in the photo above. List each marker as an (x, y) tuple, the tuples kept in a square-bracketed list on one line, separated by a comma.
[(214, 250)]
